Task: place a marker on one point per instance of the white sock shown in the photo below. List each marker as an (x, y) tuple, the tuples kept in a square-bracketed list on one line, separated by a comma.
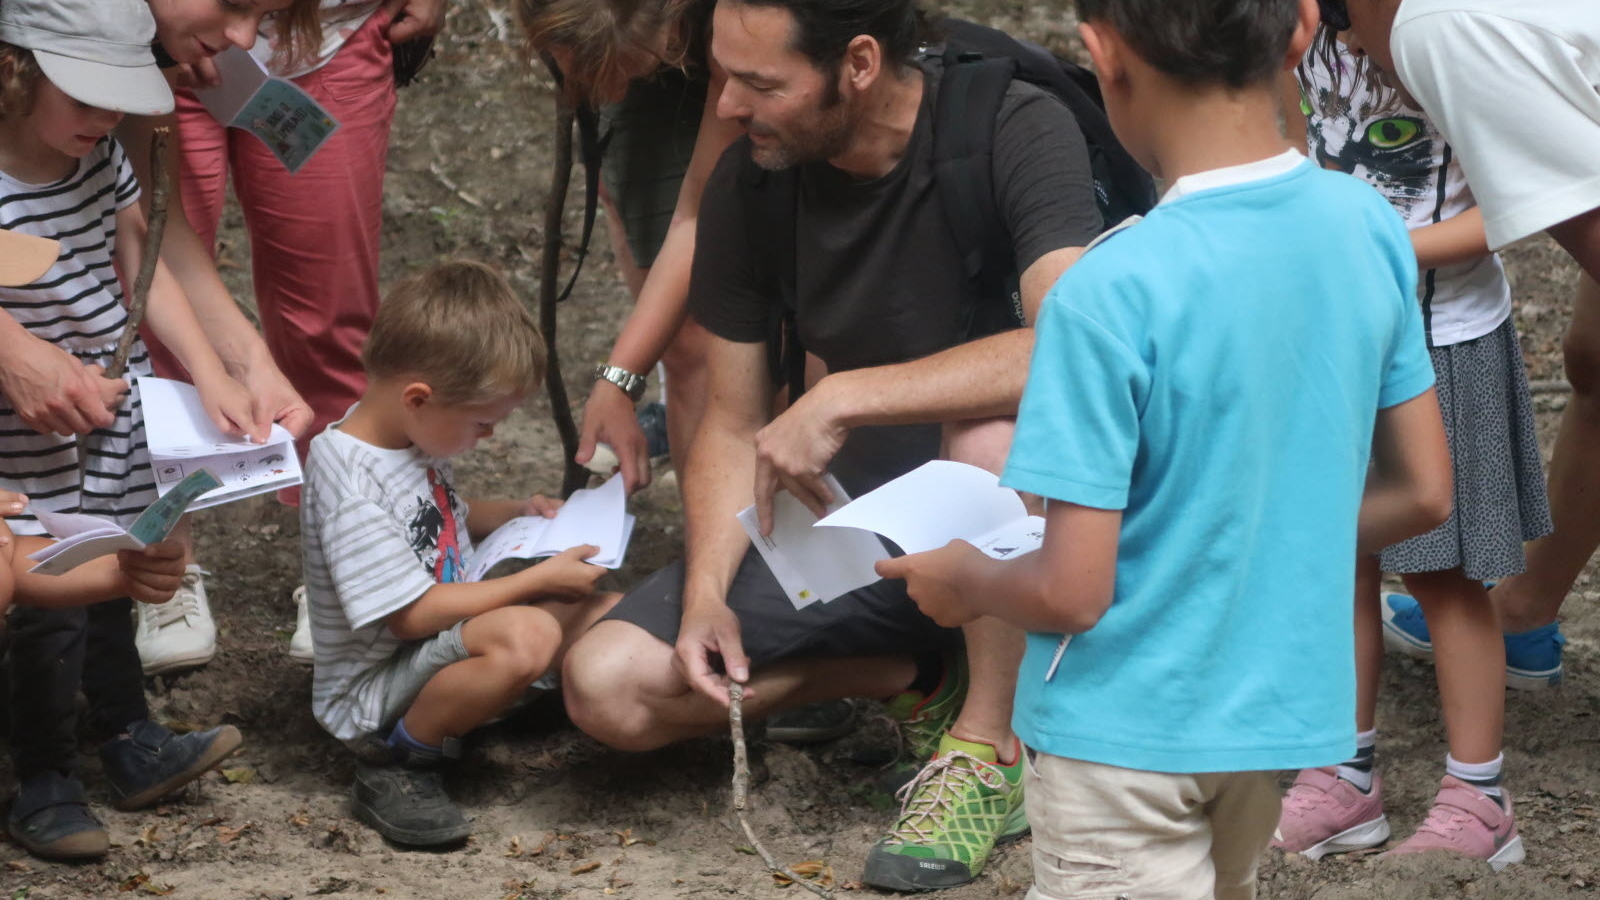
[(1358, 769), (1483, 776)]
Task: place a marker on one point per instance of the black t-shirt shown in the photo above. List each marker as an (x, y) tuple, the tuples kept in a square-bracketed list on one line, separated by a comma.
[(879, 280)]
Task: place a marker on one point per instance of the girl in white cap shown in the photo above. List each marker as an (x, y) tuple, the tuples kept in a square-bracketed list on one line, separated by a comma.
[(69, 71)]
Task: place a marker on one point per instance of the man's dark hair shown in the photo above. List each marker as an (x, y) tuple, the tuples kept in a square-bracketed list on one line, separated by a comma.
[(1237, 43), (824, 28)]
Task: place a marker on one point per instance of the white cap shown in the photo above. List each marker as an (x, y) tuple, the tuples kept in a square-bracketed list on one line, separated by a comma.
[(95, 51)]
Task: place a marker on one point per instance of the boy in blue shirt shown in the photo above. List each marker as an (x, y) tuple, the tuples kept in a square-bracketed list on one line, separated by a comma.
[(1226, 400)]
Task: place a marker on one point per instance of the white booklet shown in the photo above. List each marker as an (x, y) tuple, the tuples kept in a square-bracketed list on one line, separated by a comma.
[(921, 510), (183, 440), (597, 516), (292, 125), (83, 537)]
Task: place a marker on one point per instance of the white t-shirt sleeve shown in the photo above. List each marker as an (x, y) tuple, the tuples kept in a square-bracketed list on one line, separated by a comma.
[(1518, 102), (373, 569)]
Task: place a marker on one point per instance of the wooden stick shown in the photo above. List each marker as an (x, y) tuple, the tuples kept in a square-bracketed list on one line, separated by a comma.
[(741, 792), (573, 476), (155, 230)]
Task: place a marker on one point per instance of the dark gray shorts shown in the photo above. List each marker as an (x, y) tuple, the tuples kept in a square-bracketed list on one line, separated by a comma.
[(877, 620)]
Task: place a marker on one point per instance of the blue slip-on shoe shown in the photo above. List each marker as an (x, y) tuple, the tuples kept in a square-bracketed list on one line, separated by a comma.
[(50, 818), (1533, 658)]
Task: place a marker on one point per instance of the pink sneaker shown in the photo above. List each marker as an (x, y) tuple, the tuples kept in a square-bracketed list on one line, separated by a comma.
[(1466, 821), (1323, 813)]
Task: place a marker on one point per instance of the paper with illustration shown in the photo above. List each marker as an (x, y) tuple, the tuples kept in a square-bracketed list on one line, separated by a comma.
[(183, 440), (292, 125), (84, 537), (597, 516), (816, 560), (813, 565)]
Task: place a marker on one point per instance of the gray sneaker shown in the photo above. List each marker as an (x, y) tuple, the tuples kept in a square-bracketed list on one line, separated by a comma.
[(407, 805)]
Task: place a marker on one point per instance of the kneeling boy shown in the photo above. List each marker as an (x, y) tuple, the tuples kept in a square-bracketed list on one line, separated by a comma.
[(408, 656), (1207, 389)]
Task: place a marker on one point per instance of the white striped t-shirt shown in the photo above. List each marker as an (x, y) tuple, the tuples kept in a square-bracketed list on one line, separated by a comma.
[(78, 307), (378, 529)]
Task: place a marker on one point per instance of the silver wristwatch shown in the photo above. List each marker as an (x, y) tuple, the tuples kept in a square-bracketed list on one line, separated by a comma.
[(631, 384)]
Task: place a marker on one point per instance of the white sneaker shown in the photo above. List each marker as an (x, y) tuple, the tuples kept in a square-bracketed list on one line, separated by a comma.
[(300, 645), (177, 634)]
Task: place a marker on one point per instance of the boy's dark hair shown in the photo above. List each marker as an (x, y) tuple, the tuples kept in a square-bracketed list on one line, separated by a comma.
[(1237, 43), (824, 28)]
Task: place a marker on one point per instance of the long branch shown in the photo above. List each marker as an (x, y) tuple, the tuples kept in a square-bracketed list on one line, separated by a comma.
[(741, 792), (156, 229)]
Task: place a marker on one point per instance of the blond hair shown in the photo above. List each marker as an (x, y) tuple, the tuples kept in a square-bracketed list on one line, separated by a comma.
[(19, 81), (297, 33), (606, 35), (459, 327)]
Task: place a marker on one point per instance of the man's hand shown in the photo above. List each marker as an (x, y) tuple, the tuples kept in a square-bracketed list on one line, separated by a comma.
[(608, 418), (54, 393), (274, 400), (151, 575), (540, 505), (699, 636), (793, 452), (932, 580), (414, 19)]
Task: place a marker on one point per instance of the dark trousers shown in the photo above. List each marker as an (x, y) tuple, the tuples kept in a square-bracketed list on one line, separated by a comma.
[(53, 654)]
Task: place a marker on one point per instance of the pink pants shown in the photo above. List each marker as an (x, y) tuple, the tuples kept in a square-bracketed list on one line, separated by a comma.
[(313, 235)]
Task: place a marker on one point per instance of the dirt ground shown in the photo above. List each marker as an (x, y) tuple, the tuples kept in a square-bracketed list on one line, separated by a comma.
[(557, 816)]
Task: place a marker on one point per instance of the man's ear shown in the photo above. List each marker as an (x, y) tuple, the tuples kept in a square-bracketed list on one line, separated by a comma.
[(1305, 31), (1105, 51), (416, 395), (862, 63)]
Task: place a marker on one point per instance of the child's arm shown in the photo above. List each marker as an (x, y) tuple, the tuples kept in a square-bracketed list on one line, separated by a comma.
[(148, 576), (1409, 487), (172, 320), (564, 576), (1458, 239), (1063, 588), (484, 516)]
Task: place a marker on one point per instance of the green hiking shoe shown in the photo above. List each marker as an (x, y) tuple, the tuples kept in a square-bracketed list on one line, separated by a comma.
[(952, 815), (924, 718)]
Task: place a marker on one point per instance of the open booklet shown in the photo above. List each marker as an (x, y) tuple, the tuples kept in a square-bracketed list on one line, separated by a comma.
[(924, 509), (292, 125), (83, 537), (183, 440), (597, 516)]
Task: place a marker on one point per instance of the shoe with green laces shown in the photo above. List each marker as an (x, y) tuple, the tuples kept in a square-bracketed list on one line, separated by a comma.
[(952, 815), (924, 718)]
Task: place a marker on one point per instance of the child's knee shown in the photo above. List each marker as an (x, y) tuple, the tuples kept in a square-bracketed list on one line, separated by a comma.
[(524, 642)]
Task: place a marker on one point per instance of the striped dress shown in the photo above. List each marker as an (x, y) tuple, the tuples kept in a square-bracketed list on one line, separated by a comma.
[(77, 306)]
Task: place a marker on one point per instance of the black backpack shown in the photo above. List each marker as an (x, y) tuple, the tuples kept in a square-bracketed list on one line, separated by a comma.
[(979, 65)]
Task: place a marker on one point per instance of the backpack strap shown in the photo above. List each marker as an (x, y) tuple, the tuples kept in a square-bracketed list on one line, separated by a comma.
[(592, 150), (971, 91)]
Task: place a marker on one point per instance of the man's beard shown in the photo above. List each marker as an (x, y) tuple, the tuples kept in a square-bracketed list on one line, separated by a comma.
[(827, 135)]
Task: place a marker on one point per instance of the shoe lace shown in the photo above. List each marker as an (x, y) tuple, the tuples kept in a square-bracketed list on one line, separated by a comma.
[(423, 788), (183, 604), (934, 792)]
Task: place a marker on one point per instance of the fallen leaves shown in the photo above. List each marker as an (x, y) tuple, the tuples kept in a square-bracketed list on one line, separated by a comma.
[(300, 819), (586, 868), (227, 835), (625, 838), (140, 881), (812, 870), (239, 775), (17, 865)]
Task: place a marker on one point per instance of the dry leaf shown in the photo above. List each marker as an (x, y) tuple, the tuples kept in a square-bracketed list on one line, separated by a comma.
[(148, 837), (226, 835), (515, 848), (586, 867), (814, 870), (239, 775), (625, 836), (150, 887), (300, 819), (133, 881), (214, 820), (17, 865)]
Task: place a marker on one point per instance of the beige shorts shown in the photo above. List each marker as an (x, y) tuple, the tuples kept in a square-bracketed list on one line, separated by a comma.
[(1106, 833)]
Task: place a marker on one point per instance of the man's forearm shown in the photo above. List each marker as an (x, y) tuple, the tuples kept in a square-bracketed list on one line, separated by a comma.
[(975, 380), (717, 484)]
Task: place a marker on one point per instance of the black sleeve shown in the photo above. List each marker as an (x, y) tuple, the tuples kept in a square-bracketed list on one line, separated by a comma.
[(1043, 183), (728, 293)]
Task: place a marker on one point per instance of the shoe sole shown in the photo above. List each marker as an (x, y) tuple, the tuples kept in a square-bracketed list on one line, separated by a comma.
[(180, 663), (1531, 680), (1510, 854), (304, 659), (228, 740), (1361, 837), (1397, 640), (895, 879), (71, 847), (436, 838)]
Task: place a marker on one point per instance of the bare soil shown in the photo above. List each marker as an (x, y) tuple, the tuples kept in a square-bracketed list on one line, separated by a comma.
[(558, 816)]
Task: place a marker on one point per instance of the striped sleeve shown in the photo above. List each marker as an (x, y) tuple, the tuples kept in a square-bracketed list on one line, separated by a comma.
[(374, 571), (127, 182)]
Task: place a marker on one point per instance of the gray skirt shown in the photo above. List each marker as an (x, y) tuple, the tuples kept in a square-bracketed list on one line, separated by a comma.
[(1500, 497)]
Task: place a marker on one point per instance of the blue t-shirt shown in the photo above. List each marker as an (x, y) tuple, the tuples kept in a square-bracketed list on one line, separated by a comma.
[(1214, 371)]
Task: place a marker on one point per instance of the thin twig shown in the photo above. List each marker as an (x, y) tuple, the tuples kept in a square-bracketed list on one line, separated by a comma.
[(574, 476), (155, 230), (741, 792)]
